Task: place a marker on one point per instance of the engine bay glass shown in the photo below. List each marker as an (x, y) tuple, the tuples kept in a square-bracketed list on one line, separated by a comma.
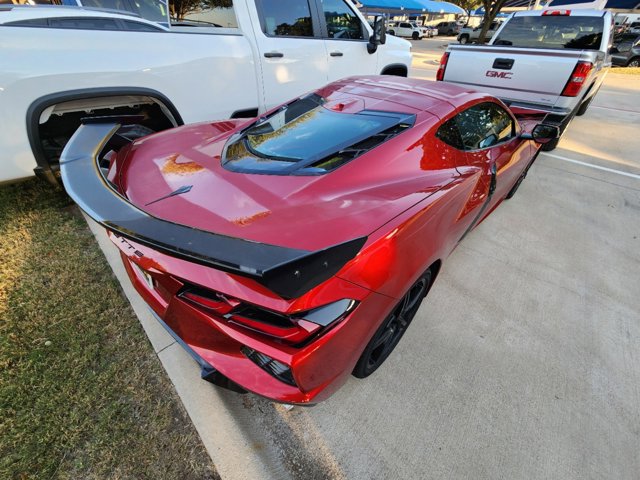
[(309, 136)]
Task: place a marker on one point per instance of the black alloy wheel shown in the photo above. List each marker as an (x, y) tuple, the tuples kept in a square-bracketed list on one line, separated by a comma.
[(393, 328)]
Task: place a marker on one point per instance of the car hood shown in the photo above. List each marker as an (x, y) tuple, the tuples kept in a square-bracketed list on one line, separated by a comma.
[(304, 212)]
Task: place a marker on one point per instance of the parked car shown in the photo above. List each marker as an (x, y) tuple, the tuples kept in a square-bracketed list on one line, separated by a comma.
[(407, 29), (548, 60), (287, 252), (70, 62), (626, 53), (472, 34), (448, 28)]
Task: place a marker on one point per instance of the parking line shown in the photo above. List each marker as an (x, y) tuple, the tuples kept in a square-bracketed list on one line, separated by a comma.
[(616, 109), (590, 165)]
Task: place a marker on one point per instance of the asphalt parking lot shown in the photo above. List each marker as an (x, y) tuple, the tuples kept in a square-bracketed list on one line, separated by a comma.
[(523, 362)]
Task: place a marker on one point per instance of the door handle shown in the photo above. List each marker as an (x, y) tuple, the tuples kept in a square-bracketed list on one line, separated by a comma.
[(274, 54), (503, 63), (336, 54)]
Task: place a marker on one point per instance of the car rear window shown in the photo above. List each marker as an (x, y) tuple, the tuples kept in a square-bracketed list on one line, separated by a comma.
[(553, 31), (307, 137)]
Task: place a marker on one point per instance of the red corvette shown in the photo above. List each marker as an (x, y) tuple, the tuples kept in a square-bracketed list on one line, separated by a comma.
[(289, 251)]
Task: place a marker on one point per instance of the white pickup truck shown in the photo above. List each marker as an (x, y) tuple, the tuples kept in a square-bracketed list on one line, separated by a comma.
[(408, 30), (472, 34), (552, 61), (60, 64)]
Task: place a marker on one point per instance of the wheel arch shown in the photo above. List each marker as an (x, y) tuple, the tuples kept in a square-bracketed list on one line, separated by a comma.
[(38, 106)]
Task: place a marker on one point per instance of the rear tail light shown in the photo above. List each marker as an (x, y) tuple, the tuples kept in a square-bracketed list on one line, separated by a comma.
[(277, 326), (212, 301), (273, 367), (554, 13), (442, 67), (292, 329), (577, 79)]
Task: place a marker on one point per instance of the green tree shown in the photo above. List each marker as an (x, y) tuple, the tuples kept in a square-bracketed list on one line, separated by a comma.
[(180, 8), (491, 9), (468, 5)]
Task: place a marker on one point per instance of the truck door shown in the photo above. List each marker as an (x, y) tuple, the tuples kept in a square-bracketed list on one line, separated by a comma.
[(346, 38), (292, 54)]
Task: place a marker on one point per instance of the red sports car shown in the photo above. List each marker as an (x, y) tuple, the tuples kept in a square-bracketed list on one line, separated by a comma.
[(289, 251)]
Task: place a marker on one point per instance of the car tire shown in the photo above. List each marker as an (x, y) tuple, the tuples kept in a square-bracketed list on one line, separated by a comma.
[(634, 62), (392, 328), (415, 36), (391, 32), (464, 39)]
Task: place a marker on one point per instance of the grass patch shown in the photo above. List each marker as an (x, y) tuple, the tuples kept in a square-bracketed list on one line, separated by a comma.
[(82, 394), (626, 70)]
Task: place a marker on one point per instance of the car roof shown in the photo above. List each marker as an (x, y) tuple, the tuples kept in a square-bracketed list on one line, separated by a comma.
[(409, 95)]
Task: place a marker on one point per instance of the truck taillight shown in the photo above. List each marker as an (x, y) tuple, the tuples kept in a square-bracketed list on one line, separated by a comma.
[(442, 67), (577, 79)]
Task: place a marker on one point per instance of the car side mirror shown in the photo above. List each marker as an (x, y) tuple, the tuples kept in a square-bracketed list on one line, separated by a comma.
[(488, 141), (542, 133), (379, 35)]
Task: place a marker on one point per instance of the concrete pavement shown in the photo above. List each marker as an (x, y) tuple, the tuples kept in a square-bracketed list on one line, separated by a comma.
[(523, 362)]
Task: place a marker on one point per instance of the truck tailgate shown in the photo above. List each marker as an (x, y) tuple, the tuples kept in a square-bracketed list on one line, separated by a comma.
[(525, 75)]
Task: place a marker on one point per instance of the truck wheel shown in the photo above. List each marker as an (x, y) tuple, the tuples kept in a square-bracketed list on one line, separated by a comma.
[(464, 39), (391, 32), (393, 328), (634, 62), (547, 147), (584, 106), (415, 35)]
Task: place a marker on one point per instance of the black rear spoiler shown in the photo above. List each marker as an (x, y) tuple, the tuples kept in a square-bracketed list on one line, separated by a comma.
[(288, 272)]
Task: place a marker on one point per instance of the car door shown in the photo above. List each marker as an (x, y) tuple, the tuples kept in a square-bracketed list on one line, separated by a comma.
[(509, 153), (292, 54), (346, 39), (406, 29), (490, 138)]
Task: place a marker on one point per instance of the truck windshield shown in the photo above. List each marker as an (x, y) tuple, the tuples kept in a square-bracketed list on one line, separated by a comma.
[(305, 138), (553, 31)]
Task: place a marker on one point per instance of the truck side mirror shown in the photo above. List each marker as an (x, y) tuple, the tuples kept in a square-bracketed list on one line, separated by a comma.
[(379, 35)]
